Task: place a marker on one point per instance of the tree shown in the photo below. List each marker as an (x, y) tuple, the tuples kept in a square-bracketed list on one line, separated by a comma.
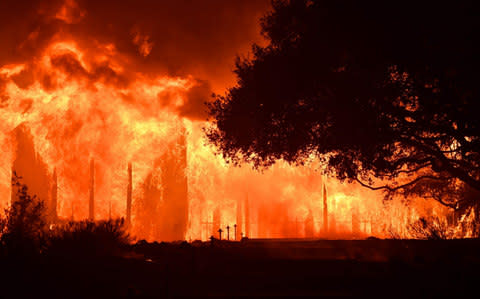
[(22, 231), (383, 92)]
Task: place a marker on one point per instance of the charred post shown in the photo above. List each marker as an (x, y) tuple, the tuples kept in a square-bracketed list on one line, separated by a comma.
[(91, 202), (239, 220), (129, 195)]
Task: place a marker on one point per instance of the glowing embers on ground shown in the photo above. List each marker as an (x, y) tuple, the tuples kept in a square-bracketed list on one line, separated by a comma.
[(72, 120)]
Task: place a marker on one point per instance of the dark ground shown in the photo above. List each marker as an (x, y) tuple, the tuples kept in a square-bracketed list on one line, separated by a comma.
[(256, 268)]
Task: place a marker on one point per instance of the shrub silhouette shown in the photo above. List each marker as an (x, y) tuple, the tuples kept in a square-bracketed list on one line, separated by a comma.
[(23, 230), (431, 228), (89, 239)]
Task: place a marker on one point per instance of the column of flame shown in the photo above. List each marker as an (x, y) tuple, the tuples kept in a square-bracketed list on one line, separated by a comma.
[(239, 220), (53, 204), (91, 202), (129, 195), (325, 210), (247, 217)]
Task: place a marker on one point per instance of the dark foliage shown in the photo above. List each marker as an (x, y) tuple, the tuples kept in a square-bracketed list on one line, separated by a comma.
[(377, 89), (88, 239), (432, 228), (23, 230)]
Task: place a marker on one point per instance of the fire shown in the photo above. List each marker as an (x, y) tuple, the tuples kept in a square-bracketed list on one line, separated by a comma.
[(79, 119), (10, 70), (72, 104)]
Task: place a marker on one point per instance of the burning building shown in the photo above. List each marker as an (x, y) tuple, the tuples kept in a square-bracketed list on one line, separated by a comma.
[(32, 171), (173, 200), (174, 207), (103, 122), (162, 210)]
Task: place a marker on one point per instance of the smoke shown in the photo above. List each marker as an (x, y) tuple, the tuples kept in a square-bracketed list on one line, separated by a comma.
[(197, 39)]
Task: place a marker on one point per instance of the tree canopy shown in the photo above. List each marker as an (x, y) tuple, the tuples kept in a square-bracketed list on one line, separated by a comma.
[(376, 89)]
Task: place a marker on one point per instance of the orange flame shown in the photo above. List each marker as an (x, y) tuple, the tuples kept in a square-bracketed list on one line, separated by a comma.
[(81, 104)]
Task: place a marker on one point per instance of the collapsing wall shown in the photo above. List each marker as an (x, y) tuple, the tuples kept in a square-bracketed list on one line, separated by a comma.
[(33, 172), (174, 208), (162, 209)]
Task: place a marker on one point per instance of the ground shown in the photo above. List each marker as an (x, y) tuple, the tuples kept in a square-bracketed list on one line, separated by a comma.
[(256, 268)]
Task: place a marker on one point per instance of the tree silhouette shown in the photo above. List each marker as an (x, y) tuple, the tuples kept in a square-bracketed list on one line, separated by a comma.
[(375, 89), (24, 227)]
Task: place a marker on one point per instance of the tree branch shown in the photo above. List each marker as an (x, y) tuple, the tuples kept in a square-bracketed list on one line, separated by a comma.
[(447, 166), (415, 169), (392, 189)]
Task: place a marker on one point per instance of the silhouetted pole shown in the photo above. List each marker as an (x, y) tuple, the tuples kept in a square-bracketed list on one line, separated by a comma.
[(247, 218), (228, 232), (53, 203), (129, 194), (91, 208), (220, 233), (239, 218), (235, 231), (325, 209)]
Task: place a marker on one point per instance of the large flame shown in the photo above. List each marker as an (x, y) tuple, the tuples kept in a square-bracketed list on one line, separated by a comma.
[(70, 105)]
